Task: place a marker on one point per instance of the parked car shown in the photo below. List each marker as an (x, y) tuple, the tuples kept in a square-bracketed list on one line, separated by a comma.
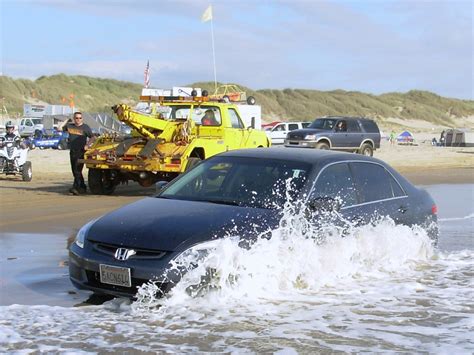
[(226, 194), (29, 126), (279, 132), (352, 134)]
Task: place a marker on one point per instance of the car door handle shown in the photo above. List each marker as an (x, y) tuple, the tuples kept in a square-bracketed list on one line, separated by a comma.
[(402, 209)]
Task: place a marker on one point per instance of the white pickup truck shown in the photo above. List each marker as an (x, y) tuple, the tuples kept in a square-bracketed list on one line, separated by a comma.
[(278, 133), (28, 126)]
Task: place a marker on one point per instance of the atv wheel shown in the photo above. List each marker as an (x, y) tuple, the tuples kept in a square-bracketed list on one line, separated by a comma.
[(27, 171), (366, 150), (99, 182), (322, 146), (192, 162), (251, 100)]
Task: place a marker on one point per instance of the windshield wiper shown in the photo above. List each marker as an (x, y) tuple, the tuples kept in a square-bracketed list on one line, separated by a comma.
[(221, 202)]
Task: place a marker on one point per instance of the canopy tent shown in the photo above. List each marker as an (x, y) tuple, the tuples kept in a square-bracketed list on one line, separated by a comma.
[(457, 138), (405, 138)]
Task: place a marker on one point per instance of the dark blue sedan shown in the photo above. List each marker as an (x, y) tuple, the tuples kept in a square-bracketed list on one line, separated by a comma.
[(227, 194)]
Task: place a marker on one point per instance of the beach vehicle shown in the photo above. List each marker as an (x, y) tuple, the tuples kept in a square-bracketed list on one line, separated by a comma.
[(279, 131), (170, 134), (351, 134), (13, 159), (54, 139), (232, 93), (237, 193)]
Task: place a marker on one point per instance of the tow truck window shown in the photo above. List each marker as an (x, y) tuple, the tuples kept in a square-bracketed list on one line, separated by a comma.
[(235, 119)]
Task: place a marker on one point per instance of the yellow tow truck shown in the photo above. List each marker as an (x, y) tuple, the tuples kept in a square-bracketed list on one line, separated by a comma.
[(169, 136)]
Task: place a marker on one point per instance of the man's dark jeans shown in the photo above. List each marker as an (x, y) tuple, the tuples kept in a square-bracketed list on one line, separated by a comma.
[(77, 168)]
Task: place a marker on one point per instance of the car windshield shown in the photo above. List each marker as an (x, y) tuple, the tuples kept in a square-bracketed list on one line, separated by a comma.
[(323, 123), (247, 182)]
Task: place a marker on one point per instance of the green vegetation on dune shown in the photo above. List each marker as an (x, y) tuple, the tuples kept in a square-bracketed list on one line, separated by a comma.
[(95, 94), (89, 94)]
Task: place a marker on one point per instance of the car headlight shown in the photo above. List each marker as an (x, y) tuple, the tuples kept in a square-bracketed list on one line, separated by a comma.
[(196, 253), (81, 235), (310, 137)]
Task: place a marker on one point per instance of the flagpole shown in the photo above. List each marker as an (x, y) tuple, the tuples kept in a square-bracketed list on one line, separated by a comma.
[(213, 53)]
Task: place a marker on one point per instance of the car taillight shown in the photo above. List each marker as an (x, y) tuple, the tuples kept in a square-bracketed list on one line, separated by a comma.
[(434, 209)]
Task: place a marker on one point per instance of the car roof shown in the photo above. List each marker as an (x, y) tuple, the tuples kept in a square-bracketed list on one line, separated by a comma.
[(304, 155), (345, 118)]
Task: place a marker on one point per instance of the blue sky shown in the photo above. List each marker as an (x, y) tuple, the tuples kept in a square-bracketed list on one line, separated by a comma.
[(370, 46)]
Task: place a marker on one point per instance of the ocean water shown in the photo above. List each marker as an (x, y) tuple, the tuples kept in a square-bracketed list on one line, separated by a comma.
[(380, 288)]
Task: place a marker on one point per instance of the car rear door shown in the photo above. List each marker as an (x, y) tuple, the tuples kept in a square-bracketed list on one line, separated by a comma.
[(379, 194), (354, 134)]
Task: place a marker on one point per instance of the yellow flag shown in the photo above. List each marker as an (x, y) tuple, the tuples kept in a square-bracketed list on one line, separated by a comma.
[(207, 15)]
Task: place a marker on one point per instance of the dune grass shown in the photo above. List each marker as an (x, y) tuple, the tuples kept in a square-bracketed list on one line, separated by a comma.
[(96, 94)]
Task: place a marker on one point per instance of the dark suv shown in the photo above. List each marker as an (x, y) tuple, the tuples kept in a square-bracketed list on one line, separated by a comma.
[(353, 134)]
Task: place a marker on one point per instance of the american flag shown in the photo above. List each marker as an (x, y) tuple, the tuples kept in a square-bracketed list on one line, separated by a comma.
[(147, 74)]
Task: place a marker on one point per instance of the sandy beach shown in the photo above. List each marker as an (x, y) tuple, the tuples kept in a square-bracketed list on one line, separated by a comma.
[(44, 204)]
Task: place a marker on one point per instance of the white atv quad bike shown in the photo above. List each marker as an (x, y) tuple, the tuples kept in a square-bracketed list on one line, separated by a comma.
[(13, 159)]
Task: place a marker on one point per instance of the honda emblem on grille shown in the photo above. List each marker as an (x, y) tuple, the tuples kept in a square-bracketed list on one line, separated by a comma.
[(124, 254)]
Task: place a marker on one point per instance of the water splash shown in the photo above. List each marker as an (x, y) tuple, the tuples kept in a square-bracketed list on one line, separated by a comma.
[(296, 257)]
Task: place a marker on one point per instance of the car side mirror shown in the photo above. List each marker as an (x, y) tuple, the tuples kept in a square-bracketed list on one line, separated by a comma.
[(324, 204), (159, 185)]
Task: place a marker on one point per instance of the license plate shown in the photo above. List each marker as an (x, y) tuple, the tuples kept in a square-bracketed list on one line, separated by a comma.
[(114, 275)]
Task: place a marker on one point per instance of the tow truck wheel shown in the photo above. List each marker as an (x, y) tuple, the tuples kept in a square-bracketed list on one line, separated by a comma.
[(251, 100), (99, 182), (192, 162), (27, 171)]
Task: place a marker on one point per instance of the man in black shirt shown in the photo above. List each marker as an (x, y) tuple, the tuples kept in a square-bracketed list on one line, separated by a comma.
[(80, 137)]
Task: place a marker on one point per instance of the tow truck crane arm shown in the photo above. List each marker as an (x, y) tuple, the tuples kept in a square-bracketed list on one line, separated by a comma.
[(150, 126)]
